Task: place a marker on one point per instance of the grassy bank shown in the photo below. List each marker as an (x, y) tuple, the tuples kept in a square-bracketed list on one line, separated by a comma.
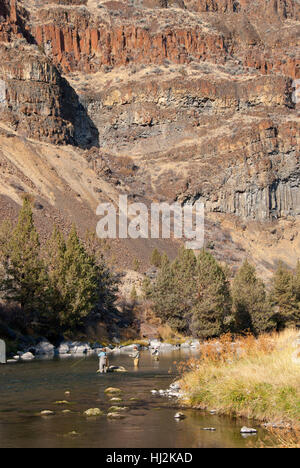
[(253, 378)]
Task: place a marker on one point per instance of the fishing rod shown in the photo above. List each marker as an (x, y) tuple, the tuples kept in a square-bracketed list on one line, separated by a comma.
[(78, 362)]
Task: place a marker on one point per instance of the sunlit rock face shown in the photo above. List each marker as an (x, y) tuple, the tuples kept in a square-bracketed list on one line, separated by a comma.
[(175, 100)]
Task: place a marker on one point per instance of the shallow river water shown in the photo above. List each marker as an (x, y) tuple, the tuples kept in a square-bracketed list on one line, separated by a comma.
[(28, 388)]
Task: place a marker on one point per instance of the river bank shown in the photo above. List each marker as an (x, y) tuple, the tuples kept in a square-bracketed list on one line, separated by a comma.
[(255, 379), (43, 349)]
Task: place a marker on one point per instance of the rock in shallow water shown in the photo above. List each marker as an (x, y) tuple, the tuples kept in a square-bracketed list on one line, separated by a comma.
[(112, 390), (180, 416), (116, 415), (27, 357), (44, 348), (93, 412), (117, 369), (117, 409), (63, 348), (47, 413), (248, 430)]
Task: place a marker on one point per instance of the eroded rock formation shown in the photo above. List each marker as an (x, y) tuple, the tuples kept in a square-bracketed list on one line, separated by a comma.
[(177, 99)]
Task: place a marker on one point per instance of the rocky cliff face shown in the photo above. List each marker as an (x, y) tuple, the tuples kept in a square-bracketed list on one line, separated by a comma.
[(176, 99), (36, 100), (120, 33)]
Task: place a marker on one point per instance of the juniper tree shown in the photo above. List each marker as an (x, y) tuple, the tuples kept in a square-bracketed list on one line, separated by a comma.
[(165, 296), (24, 279), (297, 283), (55, 263), (81, 284), (75, 274), (250, 306), (213, 298), (173, 292), (283, 298)]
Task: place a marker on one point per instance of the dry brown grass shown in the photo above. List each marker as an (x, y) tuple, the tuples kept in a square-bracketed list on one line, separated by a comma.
[(255, 378)]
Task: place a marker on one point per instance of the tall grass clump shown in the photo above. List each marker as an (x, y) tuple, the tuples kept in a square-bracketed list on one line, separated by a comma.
[(253, 378)]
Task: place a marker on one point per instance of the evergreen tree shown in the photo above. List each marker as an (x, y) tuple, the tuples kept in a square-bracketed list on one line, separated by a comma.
[(156, 258), (297, 283), (213, 298), (24, 281), (55, 263), (283, 298), (251, 309), (147, 288), (165, 297), (81, 284), (5, 235), (74, 275)]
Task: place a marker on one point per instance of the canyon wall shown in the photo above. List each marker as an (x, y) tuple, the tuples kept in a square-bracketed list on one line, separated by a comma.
[(197, 94), (77, 39)]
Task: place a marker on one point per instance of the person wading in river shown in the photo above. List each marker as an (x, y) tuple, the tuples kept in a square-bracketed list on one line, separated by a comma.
[(136, 357), (103, 361), (156, 354)]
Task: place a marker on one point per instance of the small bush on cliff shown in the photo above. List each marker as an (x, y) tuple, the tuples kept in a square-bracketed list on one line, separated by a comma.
[(156, 258)]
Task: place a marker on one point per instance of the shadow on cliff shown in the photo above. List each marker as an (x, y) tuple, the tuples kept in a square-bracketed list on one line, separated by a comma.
[(86, 135)]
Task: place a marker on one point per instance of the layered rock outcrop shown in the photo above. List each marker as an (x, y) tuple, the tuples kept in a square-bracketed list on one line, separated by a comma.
[(78, 38), (35, 100), (178, 100)]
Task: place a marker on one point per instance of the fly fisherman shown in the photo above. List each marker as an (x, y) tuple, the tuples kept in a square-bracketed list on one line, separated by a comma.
[(136, 357), (103, 361), (156, 354)]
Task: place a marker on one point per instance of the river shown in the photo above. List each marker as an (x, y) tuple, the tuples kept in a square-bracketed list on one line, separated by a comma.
[(28, 388)]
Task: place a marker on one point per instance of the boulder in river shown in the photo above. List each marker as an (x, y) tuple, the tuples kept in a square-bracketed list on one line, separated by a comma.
[(63, 348), (47, 413), (116, 415), (129, 348), (81, 349), (112, 390), (27, 357), (117, 369), (180, 416), (44, 348), (117, 409), (93, 412), (248, 430)]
